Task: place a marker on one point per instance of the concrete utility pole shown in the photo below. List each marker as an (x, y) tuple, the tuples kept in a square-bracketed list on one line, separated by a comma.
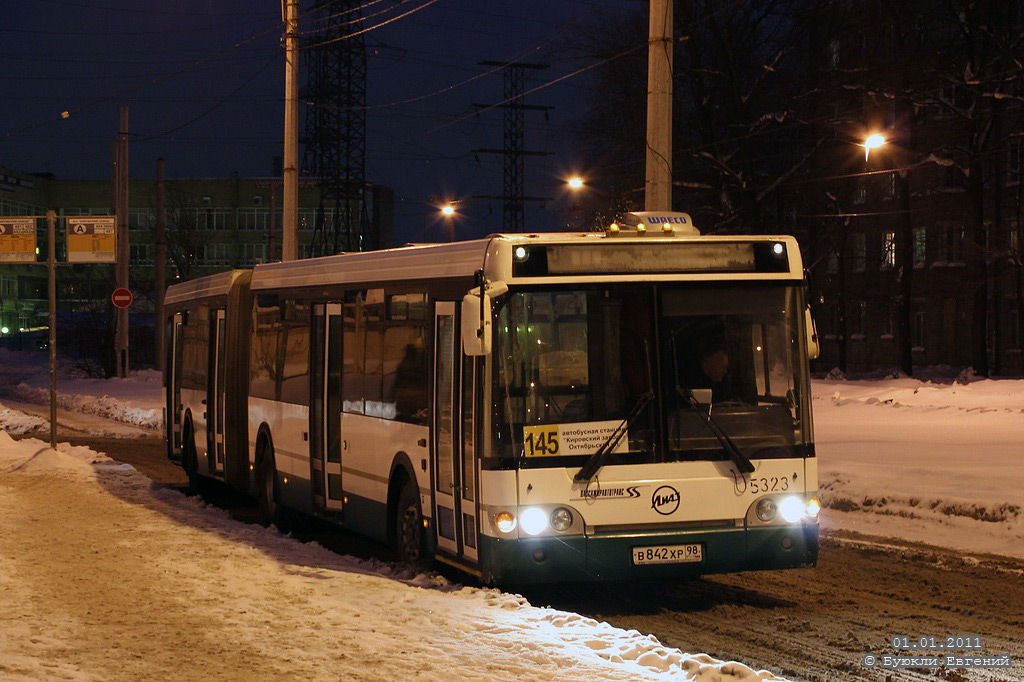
[(159, 277), (290, 201), (123, 252), (658, 185)]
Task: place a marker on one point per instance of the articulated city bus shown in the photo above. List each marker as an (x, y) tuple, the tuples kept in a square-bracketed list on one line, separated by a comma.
[(526, 407)]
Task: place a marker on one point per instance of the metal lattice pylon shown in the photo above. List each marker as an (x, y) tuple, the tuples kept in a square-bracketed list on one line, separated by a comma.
[(335, 133)]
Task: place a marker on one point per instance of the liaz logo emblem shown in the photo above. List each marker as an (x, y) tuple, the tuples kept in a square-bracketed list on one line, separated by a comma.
[(665, 500)]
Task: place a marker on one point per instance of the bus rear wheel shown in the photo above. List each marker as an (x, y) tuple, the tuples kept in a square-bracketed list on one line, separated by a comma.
[(409, 536)]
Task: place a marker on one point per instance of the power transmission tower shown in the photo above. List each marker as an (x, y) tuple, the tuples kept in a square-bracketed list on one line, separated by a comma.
[(513, 199), (335, 133)]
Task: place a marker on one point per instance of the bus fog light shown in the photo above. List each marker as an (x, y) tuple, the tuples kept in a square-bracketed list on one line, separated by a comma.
[(505, 522), (813, 507), (534, 521), (561, 519), (792, 509), (766, 510)]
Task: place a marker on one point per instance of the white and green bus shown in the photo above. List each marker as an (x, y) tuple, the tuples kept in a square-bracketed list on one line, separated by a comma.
[(526, 407)]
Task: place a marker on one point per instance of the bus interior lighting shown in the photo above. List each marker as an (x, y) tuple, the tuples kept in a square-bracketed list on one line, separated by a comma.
[(778, 248), (522, 253), (534, 521), (792, 509)]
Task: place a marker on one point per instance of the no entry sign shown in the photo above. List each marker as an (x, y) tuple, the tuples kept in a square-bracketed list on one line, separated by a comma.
[(121, 298)]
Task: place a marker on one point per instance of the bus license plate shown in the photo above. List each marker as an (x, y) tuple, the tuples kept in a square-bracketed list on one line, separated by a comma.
[(668, 554)]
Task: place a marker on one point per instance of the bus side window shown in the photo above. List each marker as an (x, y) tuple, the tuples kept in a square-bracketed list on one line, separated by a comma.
[(353, 349)]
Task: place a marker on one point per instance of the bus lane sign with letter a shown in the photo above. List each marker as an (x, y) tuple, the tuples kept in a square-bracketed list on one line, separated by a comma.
[(92, 239)]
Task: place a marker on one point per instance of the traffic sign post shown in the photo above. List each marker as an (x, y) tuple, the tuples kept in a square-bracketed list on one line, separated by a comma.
[(121, 298)]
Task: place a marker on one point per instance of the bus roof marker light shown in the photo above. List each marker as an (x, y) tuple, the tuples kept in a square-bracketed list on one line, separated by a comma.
[(641, 228), (666, 227), (521, 253)]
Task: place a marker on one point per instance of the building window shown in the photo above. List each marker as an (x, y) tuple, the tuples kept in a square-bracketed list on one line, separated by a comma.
[(251, 254), (859, 251), (917, 333), (833, 54), (141, 254), (889, 251), (920, 247), (860, 192), (857, 316), (218, 254), (890, 185)]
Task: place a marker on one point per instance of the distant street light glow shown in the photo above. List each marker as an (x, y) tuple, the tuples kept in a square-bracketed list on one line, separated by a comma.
[(448, 209), (876, 140), (576, 182)]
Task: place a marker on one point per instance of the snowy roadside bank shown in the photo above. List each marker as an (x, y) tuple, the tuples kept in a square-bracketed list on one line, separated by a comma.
[(934, 463), (108, 577)]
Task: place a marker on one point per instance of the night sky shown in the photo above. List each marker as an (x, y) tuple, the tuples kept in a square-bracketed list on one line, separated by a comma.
[(204, 82)]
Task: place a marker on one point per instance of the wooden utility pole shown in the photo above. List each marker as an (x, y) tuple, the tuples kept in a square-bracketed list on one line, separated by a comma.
[(123, 252), (159, 276), (290, 201), (658, 185)]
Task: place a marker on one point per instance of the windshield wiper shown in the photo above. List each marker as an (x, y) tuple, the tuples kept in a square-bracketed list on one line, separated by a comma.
[(596, 460), (737, 456)]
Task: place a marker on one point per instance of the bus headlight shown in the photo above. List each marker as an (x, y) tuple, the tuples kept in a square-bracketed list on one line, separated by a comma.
[(813, 507), (766, 510), (533, 521), (505, 522), (561, 519), (792, 509)]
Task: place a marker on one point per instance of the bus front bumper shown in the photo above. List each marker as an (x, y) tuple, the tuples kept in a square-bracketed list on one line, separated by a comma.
[(609, 556)]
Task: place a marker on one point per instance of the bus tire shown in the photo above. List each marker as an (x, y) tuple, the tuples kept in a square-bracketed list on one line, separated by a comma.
[(410, 540), (271, 512)]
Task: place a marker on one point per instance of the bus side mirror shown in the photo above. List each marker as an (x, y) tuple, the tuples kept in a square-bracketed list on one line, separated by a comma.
[(476, 323), (813, 348)]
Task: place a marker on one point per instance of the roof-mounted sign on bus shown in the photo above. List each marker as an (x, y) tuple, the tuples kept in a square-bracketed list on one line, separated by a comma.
[(92, 239), (639, 223)]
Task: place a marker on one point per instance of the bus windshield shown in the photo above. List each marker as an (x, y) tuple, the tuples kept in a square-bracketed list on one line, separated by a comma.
[(572, 362)]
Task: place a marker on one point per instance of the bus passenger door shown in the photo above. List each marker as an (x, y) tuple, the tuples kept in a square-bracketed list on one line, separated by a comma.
[(172, 372), (454, 468), (325, 407), (215, 398)]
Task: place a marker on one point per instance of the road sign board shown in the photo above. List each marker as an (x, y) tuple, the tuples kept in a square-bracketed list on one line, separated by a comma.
[(92, 239), (121, 298), (17, 240)]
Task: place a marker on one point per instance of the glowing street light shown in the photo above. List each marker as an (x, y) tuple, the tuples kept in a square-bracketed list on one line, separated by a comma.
[(876, 140), (448, 210), (575, 182)]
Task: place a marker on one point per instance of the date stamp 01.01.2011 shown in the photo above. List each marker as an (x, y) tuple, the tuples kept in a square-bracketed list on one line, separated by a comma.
[(930, 652)]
